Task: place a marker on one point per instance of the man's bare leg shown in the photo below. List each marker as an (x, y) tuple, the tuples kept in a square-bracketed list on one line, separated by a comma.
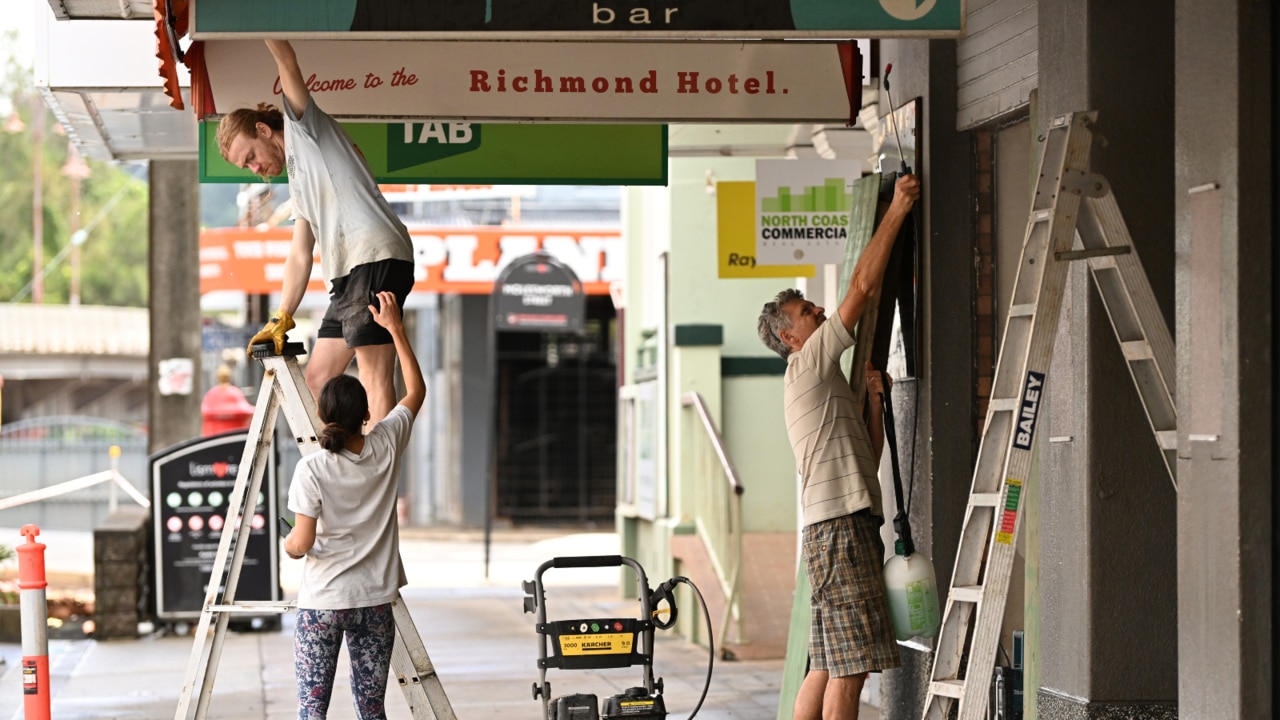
[(809, 699), (329, 358), (377, 365), (843, 697)]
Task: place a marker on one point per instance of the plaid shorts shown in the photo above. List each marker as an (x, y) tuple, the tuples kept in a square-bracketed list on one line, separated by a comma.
[(850, 628)]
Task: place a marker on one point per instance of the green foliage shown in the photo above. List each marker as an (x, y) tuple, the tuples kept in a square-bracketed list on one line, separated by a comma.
[(113, 259)]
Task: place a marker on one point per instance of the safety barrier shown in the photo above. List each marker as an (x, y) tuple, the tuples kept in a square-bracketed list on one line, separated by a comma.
[(112, 476), (35, 620)]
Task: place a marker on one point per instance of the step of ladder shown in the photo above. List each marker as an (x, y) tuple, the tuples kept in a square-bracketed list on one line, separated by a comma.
[(284, 390), (1135, 316), (1068, 201)]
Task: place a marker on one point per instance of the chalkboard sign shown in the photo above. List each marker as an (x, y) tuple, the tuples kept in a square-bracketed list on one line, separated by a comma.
[(538, 293), (191, 484)]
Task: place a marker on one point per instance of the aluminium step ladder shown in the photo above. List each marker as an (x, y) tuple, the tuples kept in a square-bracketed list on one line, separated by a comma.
[(284, 389), (1069, 201)]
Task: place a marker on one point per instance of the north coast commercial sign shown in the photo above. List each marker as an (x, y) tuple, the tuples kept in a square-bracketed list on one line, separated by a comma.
[(803, 210), (546, 81)]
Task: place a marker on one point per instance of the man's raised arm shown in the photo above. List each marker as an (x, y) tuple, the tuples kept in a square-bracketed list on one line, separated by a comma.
[(868, 273), (295, 88)]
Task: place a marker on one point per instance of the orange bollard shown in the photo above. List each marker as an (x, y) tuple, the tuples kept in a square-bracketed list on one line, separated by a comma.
[(35, 623)]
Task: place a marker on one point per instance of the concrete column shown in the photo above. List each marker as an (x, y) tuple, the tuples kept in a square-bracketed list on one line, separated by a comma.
[(476, 408), (1107, 575), (1226, 115), (945, 443), (174, 278)]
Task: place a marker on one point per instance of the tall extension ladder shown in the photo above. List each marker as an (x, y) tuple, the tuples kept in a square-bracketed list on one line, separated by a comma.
[(1068, 200), (283, 388)]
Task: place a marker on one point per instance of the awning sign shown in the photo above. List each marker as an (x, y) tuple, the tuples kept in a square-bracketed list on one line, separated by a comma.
[(465, 152), (802, 210), (580, 19), (446, 260), (756, 82), (536, 293)]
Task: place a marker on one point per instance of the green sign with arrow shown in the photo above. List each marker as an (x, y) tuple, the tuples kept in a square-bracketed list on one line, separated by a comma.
[(472, 153)]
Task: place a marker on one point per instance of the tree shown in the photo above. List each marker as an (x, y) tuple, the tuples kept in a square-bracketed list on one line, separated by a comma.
[(113, 208)]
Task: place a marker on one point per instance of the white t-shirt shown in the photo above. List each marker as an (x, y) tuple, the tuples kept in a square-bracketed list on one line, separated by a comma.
[(332, 189), (355, 561), (838, 473)]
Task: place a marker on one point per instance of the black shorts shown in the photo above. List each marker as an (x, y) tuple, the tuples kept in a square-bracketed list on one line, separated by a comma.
[(348, 316)]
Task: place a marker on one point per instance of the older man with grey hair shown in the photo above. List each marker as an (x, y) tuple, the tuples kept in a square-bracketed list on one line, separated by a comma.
[(837, 457)]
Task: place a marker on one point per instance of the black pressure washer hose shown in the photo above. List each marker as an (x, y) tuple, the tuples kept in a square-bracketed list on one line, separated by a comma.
[(666, 592)]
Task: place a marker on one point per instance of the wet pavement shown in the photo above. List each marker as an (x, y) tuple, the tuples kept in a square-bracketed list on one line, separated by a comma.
[(483, 645)]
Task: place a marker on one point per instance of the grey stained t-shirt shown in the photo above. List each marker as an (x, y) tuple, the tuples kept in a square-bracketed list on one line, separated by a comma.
[(355, 561), (334, 191), (838, 473)]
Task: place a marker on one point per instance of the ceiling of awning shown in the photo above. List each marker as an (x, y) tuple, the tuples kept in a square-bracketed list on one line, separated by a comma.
[(101, 9), (111, 100)]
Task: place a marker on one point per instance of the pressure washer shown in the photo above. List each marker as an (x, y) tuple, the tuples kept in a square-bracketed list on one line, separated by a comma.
[(608, 642)]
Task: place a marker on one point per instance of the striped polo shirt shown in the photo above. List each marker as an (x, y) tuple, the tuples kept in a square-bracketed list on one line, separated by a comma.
[(838, 472)]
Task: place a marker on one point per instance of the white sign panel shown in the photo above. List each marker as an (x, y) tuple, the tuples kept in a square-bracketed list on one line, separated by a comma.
[(802, 210), (504, 81), (176, 376)]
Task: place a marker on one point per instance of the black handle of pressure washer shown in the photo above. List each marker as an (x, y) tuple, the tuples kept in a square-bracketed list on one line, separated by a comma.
[(586, 561), (901, 524)]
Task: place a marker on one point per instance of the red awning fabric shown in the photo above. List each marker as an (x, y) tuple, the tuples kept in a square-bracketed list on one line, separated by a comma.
[(166, 50)]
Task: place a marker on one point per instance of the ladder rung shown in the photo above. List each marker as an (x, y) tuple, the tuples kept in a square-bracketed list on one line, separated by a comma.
[(1089, 253), (1042, 215), (251, 606), (1168, 439), (1022, 310), (984, 499), (1136, 350), (948, 688), (967, 593), (1003, 404)]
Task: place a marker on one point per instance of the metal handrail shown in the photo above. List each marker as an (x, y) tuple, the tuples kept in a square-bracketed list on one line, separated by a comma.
[(732, 586), (695, 400)]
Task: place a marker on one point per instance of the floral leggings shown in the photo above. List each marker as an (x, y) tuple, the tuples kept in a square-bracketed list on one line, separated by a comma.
[(370, 633)]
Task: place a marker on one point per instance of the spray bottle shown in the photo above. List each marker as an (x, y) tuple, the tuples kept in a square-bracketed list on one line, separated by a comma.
[(909, 580)]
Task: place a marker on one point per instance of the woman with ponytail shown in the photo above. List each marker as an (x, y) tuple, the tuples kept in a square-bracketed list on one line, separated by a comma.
[(344, 499)]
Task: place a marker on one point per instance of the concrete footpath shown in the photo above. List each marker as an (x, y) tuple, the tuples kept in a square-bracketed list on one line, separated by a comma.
[(483, 645)]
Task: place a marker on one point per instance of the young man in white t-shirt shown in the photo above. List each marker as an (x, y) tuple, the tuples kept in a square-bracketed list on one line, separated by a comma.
[(364, 247)]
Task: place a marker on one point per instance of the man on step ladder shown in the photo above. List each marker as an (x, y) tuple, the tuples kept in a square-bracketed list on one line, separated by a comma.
[(851, 633)]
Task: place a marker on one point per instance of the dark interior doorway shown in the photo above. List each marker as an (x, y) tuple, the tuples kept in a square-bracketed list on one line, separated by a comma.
[(556, 423)]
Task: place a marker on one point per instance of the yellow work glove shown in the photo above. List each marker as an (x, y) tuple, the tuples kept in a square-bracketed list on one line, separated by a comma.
[(274, 330)]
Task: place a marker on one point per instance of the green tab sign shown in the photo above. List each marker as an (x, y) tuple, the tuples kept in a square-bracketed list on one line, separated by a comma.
[(471, 153), (410, 144)]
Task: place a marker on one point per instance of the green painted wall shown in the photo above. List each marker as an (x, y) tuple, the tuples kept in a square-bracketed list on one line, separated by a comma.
[(761, 451), (680, 220)]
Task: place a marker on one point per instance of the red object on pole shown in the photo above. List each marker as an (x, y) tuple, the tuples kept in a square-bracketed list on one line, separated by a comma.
[(35, 623), (224, 407)]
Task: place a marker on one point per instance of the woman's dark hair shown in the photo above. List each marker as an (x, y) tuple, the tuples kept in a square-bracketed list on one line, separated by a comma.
[(343, 407)]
